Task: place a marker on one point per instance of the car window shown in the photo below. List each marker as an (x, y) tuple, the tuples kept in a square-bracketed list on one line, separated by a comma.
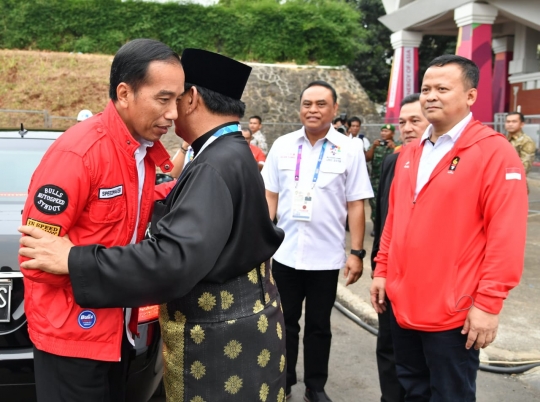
[(18, 160)]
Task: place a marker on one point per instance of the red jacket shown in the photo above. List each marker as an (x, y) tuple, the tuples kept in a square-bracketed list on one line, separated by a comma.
[(87, 186), (462, 240), (258, 154)]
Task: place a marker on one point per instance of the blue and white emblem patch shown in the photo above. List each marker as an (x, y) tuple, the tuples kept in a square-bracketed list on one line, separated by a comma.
[(87, 319)]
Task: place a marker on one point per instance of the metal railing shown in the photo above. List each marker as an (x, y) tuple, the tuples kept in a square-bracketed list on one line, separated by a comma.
[(48, 119)]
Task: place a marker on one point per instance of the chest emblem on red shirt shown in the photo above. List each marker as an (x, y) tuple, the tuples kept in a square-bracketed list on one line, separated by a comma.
[(50, 199), (453, 165), (111, 192), (407, 165)]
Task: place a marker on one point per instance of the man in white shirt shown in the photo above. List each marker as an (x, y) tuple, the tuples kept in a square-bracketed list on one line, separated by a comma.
[(354, 131), (313, 178)]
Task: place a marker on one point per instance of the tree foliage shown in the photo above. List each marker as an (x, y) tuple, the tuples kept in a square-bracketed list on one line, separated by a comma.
[(321, 31), (372, 64)]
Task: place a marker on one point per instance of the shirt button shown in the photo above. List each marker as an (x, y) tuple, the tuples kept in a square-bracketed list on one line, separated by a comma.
[(69, 299), (99, 130), (167, 167), (128, 142)]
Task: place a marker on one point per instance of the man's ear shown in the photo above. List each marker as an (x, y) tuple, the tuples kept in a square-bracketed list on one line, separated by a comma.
[(336, 108), (471, 96), (193, 100), (123, 95)]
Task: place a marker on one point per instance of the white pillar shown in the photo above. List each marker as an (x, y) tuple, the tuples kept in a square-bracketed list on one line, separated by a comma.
[(526, 42)]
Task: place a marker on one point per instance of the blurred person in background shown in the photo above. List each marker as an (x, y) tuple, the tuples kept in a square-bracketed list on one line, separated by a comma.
[(376, 154), (258, 154), (522, 143), (258, 138)]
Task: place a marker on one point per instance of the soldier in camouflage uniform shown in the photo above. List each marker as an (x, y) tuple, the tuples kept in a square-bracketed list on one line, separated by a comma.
[(376, 153), (524, 145)]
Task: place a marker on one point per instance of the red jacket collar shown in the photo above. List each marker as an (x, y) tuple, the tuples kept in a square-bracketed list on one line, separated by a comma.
[(118, 130)]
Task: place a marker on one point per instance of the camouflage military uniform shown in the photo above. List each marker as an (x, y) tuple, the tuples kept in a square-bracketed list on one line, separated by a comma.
[(379, 154), (525, 148)]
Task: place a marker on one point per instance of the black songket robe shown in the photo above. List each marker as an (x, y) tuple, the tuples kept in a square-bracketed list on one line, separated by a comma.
[(206, 262)]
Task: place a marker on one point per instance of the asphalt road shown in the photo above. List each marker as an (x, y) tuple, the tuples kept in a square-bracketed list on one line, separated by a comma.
[(353, 371)]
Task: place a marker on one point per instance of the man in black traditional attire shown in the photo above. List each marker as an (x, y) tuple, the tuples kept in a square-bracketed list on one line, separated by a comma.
[(207, 256)]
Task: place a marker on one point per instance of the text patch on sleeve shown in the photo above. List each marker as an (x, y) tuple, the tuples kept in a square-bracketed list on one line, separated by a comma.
[(47, 227), (51, 199)]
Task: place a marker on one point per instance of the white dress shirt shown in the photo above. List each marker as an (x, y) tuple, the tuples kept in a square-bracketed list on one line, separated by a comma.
[(320, 243), (139, 155), (433, 153)]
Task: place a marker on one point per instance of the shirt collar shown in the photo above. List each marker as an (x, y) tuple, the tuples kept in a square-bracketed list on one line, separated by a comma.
[(199, 142), (517, 135), (453, 134), (333, 136)]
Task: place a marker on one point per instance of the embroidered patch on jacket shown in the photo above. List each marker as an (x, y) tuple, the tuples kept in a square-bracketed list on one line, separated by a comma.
[(453, 165), (47, 227), (87, 319), (111, 192), (50, 199), (513, 174)]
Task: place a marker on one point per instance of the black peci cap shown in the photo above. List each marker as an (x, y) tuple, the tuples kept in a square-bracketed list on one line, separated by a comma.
[(215, 72)]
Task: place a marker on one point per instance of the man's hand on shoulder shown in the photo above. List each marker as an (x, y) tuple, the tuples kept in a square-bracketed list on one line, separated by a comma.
[(48, 253), (353, 269), (378, 294), (481, 328)]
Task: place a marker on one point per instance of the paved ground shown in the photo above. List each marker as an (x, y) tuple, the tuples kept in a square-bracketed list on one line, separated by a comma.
[(353, 371)]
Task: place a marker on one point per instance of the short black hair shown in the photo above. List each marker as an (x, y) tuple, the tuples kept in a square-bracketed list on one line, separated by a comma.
[(410, 99), (521, 117), (256, 117), (130, 64), (218, 103), (354, 118), (471, 73), (321, 84)]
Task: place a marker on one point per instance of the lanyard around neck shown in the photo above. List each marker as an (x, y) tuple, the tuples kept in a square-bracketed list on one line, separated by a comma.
[(317, 168), (231, 128), (189, 155)]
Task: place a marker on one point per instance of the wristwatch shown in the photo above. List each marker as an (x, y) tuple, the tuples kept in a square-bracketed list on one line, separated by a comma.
[(359, 253)]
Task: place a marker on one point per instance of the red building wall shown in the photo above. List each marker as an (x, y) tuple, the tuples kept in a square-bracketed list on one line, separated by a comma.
[(529, 100)]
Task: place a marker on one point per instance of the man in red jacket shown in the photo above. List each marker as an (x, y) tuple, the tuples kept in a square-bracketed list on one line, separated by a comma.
[(454, 239), (96, 182)]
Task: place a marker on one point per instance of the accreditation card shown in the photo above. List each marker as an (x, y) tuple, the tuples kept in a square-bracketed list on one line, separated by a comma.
[(302, 209)]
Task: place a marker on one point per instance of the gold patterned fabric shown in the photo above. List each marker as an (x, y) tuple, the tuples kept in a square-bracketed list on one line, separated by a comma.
[(225, 342)]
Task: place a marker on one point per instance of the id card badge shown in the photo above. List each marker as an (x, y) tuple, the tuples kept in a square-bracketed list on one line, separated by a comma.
[(303, 204)]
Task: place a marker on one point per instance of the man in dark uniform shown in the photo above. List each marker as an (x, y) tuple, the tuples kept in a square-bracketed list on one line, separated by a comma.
[(223, 329), (412, 124), (376, 154)]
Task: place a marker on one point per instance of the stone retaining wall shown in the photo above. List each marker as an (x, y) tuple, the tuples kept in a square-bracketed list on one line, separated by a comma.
[(273, 92)]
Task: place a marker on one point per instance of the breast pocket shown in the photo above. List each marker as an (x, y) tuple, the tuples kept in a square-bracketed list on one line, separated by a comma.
[(332, 178), (107, 211)]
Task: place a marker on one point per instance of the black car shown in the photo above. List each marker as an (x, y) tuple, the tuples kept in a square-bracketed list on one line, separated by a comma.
[(20, 154)]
